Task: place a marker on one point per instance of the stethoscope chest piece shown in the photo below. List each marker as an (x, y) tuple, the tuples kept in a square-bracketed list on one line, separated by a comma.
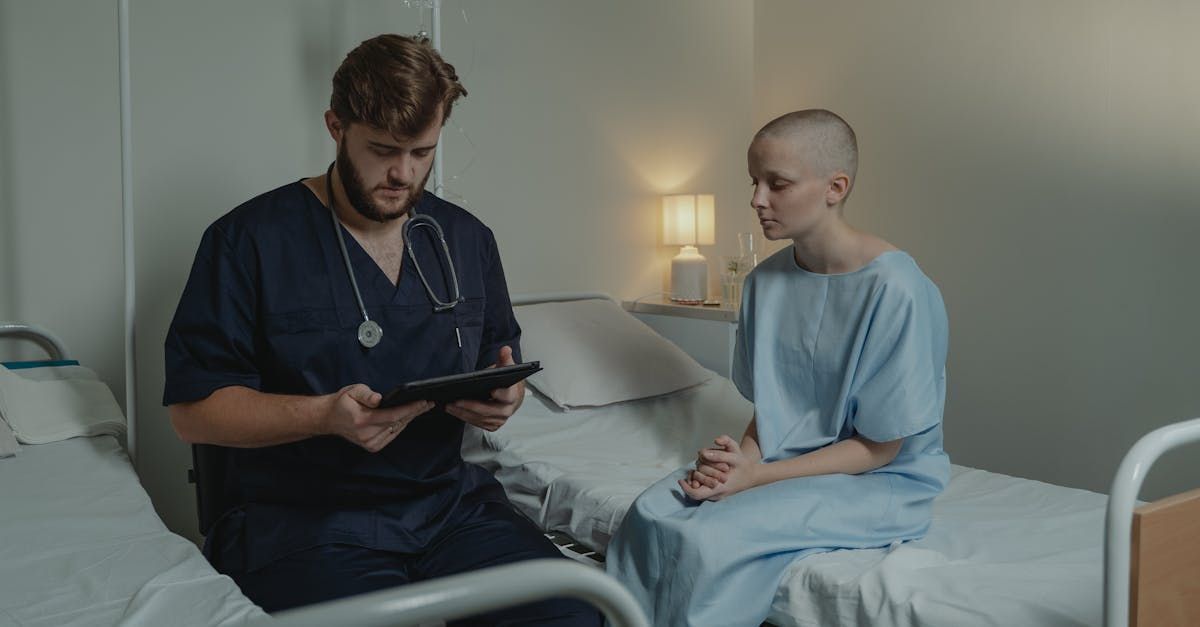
[(369, 333)]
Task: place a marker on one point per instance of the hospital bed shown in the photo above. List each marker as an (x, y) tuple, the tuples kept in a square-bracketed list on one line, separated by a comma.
[(81, 545), (80, 542), (1000, 551)]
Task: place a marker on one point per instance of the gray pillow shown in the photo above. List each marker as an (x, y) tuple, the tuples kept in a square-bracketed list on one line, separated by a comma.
[(43, 405), (8, 442), (595, 353)]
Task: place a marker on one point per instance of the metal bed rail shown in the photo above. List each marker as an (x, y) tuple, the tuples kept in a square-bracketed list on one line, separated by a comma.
[(558, 297), (460, 596), (49, 342), (1118, 524)]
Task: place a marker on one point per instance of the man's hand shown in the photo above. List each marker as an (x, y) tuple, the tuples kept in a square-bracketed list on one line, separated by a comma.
[(491, 414), (353, 415), (721, 471)]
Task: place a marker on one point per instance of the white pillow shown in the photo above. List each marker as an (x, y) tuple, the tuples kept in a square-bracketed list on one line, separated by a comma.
[(595, 353), (49, 404)]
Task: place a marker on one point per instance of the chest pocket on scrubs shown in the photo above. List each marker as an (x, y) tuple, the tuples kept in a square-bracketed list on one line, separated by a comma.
[(468, 317), (301, 343)]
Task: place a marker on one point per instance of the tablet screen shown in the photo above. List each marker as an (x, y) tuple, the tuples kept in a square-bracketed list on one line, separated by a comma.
[(468, 385)]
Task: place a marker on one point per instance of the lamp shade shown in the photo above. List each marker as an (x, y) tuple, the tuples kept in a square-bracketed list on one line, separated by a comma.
[(689, 220)]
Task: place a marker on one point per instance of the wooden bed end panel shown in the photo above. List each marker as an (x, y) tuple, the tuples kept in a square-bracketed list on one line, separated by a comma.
[(1165, 563)]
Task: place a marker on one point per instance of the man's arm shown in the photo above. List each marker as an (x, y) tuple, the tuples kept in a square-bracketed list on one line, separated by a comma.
[(500, 340), (491, 414), (238, 416)]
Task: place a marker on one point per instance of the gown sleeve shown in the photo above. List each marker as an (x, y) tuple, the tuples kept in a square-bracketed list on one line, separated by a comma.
[(210, 343), (743, 366), (900, 387)]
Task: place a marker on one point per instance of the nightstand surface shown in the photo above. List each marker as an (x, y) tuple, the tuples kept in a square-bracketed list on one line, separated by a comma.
[(664, 307)]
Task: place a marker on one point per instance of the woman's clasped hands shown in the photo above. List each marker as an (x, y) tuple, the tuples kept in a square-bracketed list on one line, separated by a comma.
[(721, 470)]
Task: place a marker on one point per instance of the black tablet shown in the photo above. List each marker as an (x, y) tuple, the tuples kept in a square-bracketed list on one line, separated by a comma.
[(468, 385)]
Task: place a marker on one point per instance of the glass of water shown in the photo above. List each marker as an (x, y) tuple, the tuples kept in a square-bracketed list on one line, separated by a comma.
[(733, 272)]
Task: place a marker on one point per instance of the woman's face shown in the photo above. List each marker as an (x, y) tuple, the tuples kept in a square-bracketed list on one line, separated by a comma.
[(789, 198)]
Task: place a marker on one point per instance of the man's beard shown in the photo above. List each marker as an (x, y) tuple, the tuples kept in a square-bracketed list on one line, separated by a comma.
[(361, 201)]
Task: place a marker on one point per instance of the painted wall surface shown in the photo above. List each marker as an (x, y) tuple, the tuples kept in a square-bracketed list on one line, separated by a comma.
[(1039, 161), (1036, 160), (581, 115), (61, 259), (579, 118), (224, 109)]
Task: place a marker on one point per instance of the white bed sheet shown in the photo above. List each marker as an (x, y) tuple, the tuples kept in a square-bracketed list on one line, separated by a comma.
[(80, 544), (1000, 551), (577, 471)]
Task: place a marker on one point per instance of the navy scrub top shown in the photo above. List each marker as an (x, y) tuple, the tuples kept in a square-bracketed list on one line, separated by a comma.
[(269, 306)]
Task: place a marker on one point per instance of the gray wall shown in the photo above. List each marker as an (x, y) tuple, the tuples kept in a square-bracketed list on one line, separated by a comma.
[(228, 99), (60, 184), (1035, 159), (1039, 161), (580, 116)]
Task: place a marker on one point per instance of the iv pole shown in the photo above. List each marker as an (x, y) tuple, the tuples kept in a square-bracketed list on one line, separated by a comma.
[(127, 223)]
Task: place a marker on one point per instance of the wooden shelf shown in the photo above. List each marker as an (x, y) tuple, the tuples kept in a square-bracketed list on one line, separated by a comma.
[(662, 306)]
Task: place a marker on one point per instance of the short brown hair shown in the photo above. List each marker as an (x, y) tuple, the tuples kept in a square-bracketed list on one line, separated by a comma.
[(394, 83)]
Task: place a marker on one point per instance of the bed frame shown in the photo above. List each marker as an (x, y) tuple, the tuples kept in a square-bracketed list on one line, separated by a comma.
[(1152, 553), (1151, 556), (447, 598), (43, 338), (460, 596), (558, 297)]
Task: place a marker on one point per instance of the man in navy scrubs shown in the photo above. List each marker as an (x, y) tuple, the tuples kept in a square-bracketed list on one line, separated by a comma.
[(328, 494)]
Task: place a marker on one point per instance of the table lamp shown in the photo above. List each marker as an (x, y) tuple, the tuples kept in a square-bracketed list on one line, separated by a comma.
[(688, 221)]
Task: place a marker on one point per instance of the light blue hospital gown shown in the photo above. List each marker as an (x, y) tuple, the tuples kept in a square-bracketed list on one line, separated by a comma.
[(823, 357)]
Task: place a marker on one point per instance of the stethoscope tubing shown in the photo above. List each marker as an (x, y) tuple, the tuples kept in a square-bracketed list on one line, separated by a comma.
[(420, 219), (370, 332)]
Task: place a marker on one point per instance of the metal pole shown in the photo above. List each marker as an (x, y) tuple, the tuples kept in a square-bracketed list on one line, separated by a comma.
[(1118, 524), (436, 38), (127, 221), (469, 594)]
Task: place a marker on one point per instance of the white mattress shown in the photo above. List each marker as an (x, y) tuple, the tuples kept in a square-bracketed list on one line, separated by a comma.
[(1000, 551), (80, 544)]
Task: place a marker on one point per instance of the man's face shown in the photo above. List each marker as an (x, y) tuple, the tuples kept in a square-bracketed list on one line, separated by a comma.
[(789, 198), (384, 176)]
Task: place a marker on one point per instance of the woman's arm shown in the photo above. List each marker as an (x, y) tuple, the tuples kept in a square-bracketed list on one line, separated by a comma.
[(750, 440), (729, 467), (852, 456)]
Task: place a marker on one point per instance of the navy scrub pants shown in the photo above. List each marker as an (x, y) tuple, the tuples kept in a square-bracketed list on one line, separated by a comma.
[(494, 535)]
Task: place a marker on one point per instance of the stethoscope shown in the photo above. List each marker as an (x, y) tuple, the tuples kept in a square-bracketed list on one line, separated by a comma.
[(369, 332)]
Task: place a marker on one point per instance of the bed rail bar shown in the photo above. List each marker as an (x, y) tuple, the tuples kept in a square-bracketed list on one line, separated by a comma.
[(43, 338), (1122, 498), (558, 297), (459, 596)]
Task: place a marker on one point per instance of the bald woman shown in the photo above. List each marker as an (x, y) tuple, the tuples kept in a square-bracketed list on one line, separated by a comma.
[(842, 349)]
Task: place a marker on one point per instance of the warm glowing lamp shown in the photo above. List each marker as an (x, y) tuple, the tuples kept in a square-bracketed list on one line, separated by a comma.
[(688, 221)]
